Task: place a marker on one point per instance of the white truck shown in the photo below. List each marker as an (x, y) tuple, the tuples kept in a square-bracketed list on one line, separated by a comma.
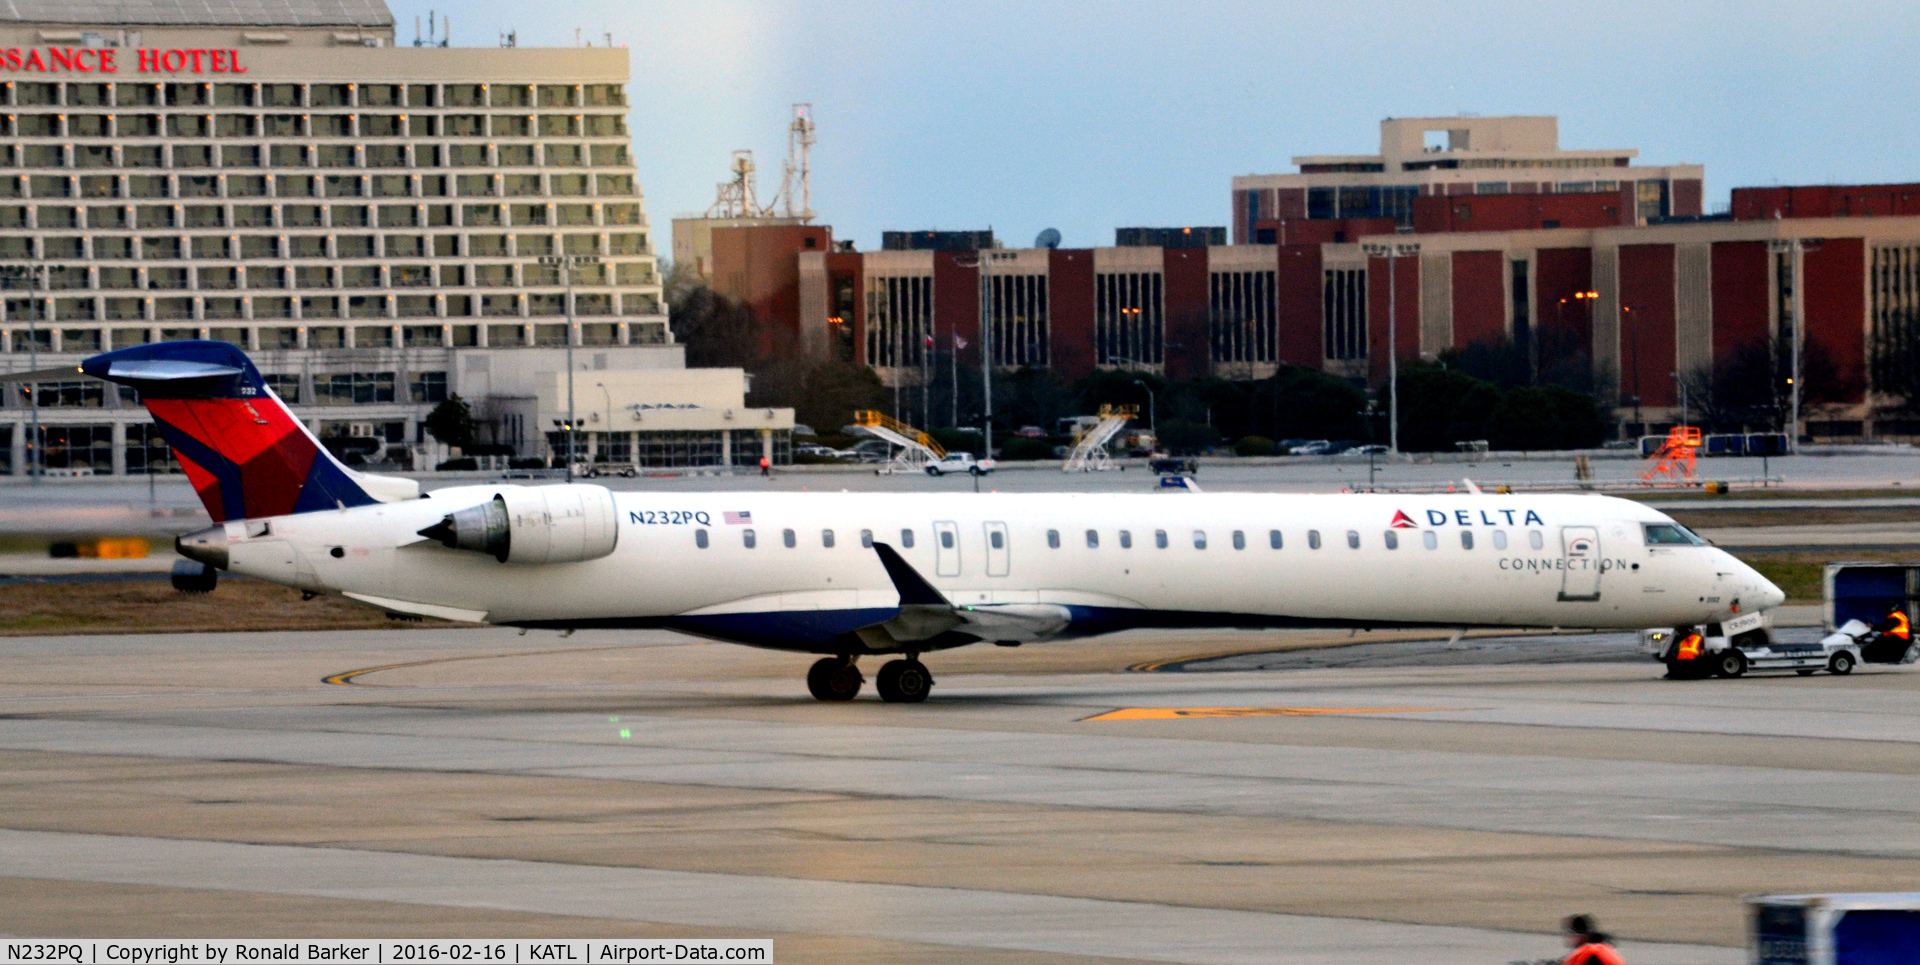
[(959, 462)]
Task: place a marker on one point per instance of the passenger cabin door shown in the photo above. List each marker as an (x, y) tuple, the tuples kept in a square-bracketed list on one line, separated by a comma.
[(1580, 552), (946, 549), (998, 552)]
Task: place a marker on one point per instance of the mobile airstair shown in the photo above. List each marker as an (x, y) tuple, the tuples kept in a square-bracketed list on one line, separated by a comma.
[(1090, 452), (914, 450)]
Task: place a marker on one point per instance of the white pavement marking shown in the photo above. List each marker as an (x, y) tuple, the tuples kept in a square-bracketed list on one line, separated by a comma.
[(1877, 814), (962, 917)]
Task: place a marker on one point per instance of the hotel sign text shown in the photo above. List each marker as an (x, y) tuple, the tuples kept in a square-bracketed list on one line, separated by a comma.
[(83, 60)]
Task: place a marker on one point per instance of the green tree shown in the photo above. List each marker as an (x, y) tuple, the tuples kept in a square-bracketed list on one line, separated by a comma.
[(452, 423)]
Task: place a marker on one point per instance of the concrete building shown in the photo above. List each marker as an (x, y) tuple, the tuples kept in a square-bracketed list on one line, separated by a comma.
[(368, 220), (1425, 157)]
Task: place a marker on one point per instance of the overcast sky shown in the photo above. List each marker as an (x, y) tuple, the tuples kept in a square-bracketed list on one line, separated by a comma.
[(1091, 116)]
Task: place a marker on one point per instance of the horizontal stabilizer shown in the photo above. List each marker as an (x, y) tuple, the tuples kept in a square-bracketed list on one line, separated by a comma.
[(65, 373)]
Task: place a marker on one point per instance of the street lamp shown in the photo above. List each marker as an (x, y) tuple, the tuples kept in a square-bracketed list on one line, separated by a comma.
[(1796, 249), (33, 273), (1627, 311), (1392, 253), (568, 264), (608, 429)]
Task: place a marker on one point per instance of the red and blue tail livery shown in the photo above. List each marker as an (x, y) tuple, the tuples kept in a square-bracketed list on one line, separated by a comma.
[(245, 454)]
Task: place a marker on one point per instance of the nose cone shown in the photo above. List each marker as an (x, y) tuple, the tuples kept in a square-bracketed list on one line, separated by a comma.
[(1769, 596), (207, 546)]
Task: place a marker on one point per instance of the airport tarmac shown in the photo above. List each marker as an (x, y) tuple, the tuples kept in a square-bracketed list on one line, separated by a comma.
[(1049, 804)]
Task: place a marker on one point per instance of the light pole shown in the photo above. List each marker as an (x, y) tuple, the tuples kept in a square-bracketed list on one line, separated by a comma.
[(1796, 249), (1638, 426), (1392, 253), (607, 430), (32, 273), (568, 264)]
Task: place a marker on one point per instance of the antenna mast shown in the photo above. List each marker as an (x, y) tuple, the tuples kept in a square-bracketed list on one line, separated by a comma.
[(736, 198), (797, 173)]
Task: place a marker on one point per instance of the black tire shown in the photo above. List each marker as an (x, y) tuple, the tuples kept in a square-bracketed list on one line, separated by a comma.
[(1688, 670), (1730, 663), (1840, 664), (933, 470), (903, 682), (976, 471), (831, 678)]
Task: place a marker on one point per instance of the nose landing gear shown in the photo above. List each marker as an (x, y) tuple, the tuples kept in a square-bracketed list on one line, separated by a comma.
[(835, 678)]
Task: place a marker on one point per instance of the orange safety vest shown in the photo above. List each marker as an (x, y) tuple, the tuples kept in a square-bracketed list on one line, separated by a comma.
[(1690, 647), (1597, 953), (1901, 628)]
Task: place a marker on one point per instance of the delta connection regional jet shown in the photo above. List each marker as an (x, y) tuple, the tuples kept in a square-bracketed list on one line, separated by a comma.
[(865, 574)]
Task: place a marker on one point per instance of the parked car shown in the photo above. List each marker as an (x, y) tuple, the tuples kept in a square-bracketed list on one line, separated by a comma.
[(1031, 432), (960, 462), (1318, 447), (1371, 449)]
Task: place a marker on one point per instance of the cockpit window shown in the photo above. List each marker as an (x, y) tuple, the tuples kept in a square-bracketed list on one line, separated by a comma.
[(1671, 534)]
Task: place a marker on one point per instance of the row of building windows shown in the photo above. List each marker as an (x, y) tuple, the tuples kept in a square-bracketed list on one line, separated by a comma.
[(1389, 539), (337, 247), (1241, 322), (316, 186), (49, 312), (311, 125), (1129, 319), (118, 217), (313, 155), (342, 388), (42, 94)]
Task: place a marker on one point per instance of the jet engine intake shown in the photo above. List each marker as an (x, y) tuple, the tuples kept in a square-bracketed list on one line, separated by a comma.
[(530, 525)]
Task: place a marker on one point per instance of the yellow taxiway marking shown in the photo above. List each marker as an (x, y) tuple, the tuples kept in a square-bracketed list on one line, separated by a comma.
[(1174, 713), (346, 677)]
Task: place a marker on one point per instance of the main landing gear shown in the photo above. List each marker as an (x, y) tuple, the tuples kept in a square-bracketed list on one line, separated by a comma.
[(899, 681)]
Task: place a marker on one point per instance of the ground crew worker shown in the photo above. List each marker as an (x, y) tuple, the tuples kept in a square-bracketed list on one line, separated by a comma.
[(766, 466), (1590, 945), (1895, 626), (1690, 645)]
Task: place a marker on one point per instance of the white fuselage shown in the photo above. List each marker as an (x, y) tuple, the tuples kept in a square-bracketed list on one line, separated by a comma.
[(1112, 561)]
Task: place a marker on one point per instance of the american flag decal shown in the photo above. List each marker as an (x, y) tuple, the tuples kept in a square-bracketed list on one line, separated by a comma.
[(742, 518)]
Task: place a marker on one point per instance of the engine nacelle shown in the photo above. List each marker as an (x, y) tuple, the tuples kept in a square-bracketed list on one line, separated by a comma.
[(535, 524)]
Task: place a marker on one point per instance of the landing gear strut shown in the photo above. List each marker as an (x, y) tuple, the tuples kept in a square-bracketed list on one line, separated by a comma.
[(835, 678), (904, 681)]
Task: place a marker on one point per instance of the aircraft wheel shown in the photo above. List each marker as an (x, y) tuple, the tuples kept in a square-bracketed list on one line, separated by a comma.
[(1730, 663), (834, 678), (1840, 663), (903, 682)]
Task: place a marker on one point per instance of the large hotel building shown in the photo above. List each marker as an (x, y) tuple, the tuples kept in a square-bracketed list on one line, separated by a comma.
[(368, 220)]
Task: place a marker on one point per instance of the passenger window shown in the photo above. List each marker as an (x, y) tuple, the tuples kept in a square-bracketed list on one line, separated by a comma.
[(1093, 539), (826, 538), (866, 539), (1126, 539), (1273, 538), (906, 538), (996, 539), (1160, 539), (1430, 540), (1313, 539), (787, 537), (1199, 539), (1239, 540), (700, 538), (946, 540), (747, 538), (1466, 539), (1392, 540), (1499, 539), (1053, 539), (1534, 539), (1353, 539)]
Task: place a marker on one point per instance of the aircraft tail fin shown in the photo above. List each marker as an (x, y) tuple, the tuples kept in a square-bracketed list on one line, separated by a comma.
[(243, 451)]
